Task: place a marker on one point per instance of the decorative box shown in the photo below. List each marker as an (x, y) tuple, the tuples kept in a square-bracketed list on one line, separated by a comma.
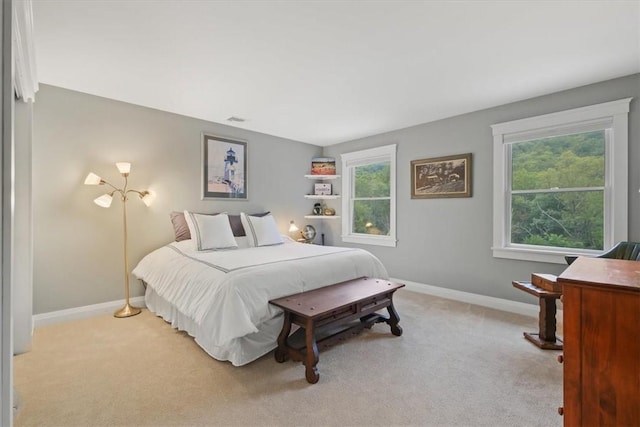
[(322, 189)]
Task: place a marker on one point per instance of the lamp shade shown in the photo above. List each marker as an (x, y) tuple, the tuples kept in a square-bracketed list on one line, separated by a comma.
[(124, 167), (92, 179), (103, 201), (292, 227), (148, 198)]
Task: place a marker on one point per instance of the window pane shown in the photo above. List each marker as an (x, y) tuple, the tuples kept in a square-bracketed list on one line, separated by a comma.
[(564, 219), (567, 161), (371, 216), (373, 180)]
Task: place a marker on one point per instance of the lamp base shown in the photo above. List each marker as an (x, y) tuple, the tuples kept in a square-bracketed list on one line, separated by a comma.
[(127, 311)]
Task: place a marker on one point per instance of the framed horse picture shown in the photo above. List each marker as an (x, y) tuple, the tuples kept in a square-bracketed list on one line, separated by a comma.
[(448, 176)]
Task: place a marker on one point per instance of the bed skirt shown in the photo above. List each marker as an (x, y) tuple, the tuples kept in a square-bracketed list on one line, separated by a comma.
[(239, 351)]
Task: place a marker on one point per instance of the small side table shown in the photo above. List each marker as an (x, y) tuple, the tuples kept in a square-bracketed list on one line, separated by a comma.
[(546, 337)]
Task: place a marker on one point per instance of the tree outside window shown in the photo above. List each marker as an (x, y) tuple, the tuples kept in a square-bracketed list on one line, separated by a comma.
[(557, 191), (371, 201), (368, 190)]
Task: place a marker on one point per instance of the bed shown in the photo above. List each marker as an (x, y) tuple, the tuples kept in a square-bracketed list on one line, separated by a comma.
[(221, 296)]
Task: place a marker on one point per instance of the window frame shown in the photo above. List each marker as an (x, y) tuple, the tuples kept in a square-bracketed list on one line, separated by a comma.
[(612, 116), (361, 158)]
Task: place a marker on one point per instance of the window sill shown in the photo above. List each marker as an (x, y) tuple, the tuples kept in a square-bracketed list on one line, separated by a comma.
[(370, 240), (539, 255)]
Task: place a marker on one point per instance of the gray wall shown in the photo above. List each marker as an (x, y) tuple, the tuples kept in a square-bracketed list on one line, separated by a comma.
[(442, 242), (447, 242), (78, 255)]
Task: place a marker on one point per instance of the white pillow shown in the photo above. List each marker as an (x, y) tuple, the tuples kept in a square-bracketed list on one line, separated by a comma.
[(210, 231), (261, 231), (243, 242)]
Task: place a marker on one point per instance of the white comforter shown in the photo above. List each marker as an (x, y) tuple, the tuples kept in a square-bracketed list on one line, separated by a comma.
[(221, 297)]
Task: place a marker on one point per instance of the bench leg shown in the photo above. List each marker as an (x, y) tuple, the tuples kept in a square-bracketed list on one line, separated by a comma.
[(547, 319), (282, 350), (546, 336), (311, 356), (393, 321)]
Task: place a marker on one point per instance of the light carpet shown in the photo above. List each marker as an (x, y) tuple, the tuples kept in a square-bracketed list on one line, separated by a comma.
[(455, 365)]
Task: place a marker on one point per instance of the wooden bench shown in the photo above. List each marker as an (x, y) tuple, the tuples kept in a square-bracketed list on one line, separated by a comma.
[(328, 314)]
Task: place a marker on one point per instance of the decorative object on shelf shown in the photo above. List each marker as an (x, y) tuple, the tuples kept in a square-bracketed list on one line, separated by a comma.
[(323, 166), (309, 233), (317, 209), (104, 201), (448, 176), (322, 189), (224, 168), (329, 211)]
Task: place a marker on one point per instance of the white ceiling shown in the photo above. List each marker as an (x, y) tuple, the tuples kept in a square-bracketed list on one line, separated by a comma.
[(325, 72)]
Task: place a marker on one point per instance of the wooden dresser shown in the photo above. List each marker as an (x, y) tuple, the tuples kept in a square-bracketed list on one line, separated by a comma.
[(601, 304)]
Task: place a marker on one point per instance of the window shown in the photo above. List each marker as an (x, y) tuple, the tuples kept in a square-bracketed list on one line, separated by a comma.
[(369, 196), (560, 183)]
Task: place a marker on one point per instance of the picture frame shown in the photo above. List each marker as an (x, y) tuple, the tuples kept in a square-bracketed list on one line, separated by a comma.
[(224, 168), (322, 189), (448, 176)]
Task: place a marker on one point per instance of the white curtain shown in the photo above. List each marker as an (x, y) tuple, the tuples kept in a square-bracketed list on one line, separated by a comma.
[(25, 80)]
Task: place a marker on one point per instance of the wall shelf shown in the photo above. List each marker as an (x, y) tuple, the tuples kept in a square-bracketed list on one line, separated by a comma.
[(324, 188), (322, 176), (321, 197)]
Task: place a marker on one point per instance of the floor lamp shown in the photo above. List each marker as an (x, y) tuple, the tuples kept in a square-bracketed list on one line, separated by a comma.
[(104, 201)]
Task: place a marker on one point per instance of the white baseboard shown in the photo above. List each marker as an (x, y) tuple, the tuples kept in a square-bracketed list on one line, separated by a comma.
[(84, 312), (483, 300)]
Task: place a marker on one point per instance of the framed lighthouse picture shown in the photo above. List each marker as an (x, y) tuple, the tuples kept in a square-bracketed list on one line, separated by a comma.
[(224, 168)]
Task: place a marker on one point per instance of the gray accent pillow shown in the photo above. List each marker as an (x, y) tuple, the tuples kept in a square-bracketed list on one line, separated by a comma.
[(181, 229), (236, 226)]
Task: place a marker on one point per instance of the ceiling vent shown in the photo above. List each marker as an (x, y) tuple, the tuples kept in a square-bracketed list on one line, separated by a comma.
[(235, 119)]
